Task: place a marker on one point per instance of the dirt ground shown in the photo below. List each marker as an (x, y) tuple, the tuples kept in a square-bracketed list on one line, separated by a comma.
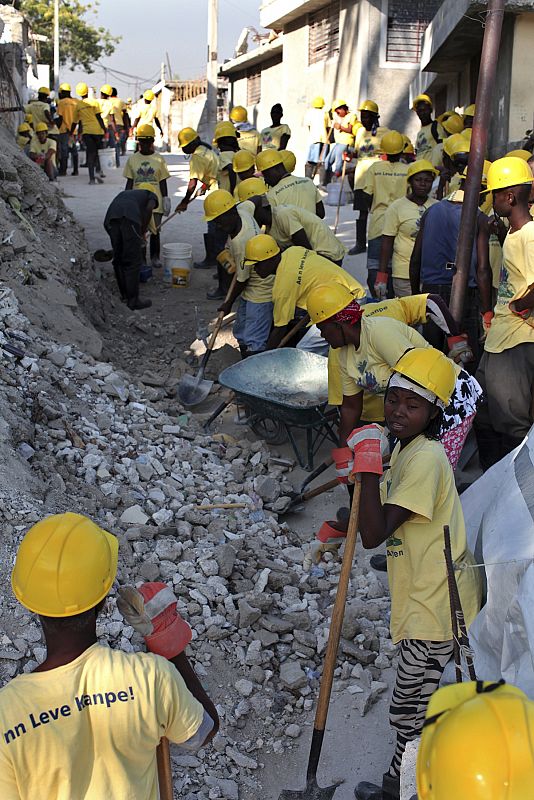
[(356, 748)]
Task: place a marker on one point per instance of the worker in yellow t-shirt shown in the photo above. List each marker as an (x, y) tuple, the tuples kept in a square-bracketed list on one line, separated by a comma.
[(40, 108), (143, 167), (121, 119), (288, 189), (318, 123), (507, 364), (66, 109), (385, 181), (203, 170), (244, 167), (405, 510), (225, 139), (91, 126), (147, 113), (249, 137), (43, 150), (431, 132), (24, 135), (277, 135), (291, 225), (343, 122), (89, 717)]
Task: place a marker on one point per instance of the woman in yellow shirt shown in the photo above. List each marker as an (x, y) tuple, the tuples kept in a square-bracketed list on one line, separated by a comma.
[(407, 511)]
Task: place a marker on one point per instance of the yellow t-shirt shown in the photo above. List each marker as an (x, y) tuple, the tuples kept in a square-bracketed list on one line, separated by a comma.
[(249, 140), (287, 220), (86, 111), (299, 272), (425, 141), (38, 110), (367, 143), (257, 290), (147, 169), (348, 121), (409, 310), (317, 122), (385, 181), (118, 106), (270, 138), (204, 166), (42, 148), (106, 109), (89, 730), (223, 178), (66, 108), (147, 113), (402, 220), (517, 274), (294, 191), (421, 479), (22, 141), (436, 156)]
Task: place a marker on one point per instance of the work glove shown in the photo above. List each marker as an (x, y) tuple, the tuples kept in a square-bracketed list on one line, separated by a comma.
[(342, 457), (487, 317), (381, 285), (459, 349), (367, 444), (151, 611), (526, 315), (166, 206), (328, 540)]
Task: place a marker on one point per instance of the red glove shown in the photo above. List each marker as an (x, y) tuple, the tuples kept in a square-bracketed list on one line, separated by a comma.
[(343, 460), (381, 285), (525, 314), (366, 443), (459, 349), (486, 320), (151, 610)]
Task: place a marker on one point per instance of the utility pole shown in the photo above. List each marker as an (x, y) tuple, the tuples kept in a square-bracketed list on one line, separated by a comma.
[(477, 152), (162, 72), (56, 47), (212, 66)]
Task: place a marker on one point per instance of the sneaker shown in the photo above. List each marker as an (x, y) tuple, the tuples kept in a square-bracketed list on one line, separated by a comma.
[(92, 183), (156, 263), (75, 173), (137, 304), (357, 249), (379, 562), (368, 791), (216, 294)]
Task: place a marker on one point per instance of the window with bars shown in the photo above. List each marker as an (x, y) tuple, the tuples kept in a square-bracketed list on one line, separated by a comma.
[(323, 27), (406, 23), (253, 87)]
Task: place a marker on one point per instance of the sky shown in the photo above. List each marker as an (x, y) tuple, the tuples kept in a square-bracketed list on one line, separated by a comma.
[(150, 28)]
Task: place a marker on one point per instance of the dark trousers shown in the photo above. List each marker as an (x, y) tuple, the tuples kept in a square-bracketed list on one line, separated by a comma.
[(128, 246), (92, 143), (63, 154), (470, 322)]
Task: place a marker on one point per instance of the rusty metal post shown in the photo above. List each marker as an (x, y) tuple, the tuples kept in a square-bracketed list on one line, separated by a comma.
[(479, 140)]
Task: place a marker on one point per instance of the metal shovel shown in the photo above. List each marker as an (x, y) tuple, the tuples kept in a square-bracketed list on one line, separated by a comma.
[(313, 791), (193, 389)]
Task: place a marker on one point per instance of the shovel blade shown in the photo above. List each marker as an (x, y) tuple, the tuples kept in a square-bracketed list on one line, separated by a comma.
[(312, 792), (191, 391)]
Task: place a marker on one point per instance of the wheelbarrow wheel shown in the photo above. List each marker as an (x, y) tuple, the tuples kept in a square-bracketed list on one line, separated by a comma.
[(271, 430)]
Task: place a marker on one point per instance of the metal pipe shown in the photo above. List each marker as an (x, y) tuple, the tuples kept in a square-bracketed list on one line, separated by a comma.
[(477, 152), (212, 66)]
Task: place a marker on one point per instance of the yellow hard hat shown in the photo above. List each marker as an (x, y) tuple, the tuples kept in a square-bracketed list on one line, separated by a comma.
[(41, 127), (260, 248), (268, 158), (369, 105), (239, 114), (338, 102), (326, 300), (470, 111), (23, 128), (216, 203), (508, 171), (148, 187), (65, 565), (223, 130), (145, 132), (106, 89), (186, 136), (392, 143), (28, 118), (456, 143), (243, 161), (43, 90), (430, 369), (477, 743), (408, 146), (289, 160), (453, 124), (318, 102), (422, 165), (467, 133), (422, 98), (149, 95), (524, 154), (251, 187), (64, 87), (485, 170), (82, 89), (444, 116)]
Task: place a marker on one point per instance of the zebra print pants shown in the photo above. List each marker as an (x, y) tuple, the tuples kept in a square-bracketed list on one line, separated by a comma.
[(419, 671)]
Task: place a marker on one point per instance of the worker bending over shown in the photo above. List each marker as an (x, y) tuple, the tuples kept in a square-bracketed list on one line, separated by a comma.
[(225, 139), (288, 189), (85, 723), (244, 167)]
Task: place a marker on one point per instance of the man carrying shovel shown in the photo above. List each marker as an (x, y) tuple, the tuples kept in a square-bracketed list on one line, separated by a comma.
[(87, 721)]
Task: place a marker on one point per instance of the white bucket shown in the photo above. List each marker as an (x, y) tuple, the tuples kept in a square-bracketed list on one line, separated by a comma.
[(130, 145), (334, 190), (177, 263)]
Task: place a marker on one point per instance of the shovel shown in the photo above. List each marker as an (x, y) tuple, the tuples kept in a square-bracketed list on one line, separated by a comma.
[(192, 390), (297, 499), (343, 172), (313, 791), (163, 759)]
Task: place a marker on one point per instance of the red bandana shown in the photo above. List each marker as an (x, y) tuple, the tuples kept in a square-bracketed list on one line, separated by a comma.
[(351, 314)]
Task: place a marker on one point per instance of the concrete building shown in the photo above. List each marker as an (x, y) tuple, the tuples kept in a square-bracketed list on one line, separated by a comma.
[(351, 49), (450, 60), (17, 59)]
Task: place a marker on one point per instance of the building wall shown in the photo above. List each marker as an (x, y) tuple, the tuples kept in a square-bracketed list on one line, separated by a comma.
[(522, 68)]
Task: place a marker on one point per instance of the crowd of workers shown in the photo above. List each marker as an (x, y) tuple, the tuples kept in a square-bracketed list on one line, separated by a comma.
[(397, 360)]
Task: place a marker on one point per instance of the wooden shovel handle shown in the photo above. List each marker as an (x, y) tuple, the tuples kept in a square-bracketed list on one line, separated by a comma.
[(163, 759), (218, 323), (302, 321)]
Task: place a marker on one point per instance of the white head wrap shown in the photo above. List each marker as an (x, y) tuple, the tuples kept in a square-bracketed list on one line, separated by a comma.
[(401, 382)]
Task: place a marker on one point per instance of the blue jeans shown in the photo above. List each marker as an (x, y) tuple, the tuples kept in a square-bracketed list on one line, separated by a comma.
[(115, 142), (334, 159), (315, 151), (253, 324)]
